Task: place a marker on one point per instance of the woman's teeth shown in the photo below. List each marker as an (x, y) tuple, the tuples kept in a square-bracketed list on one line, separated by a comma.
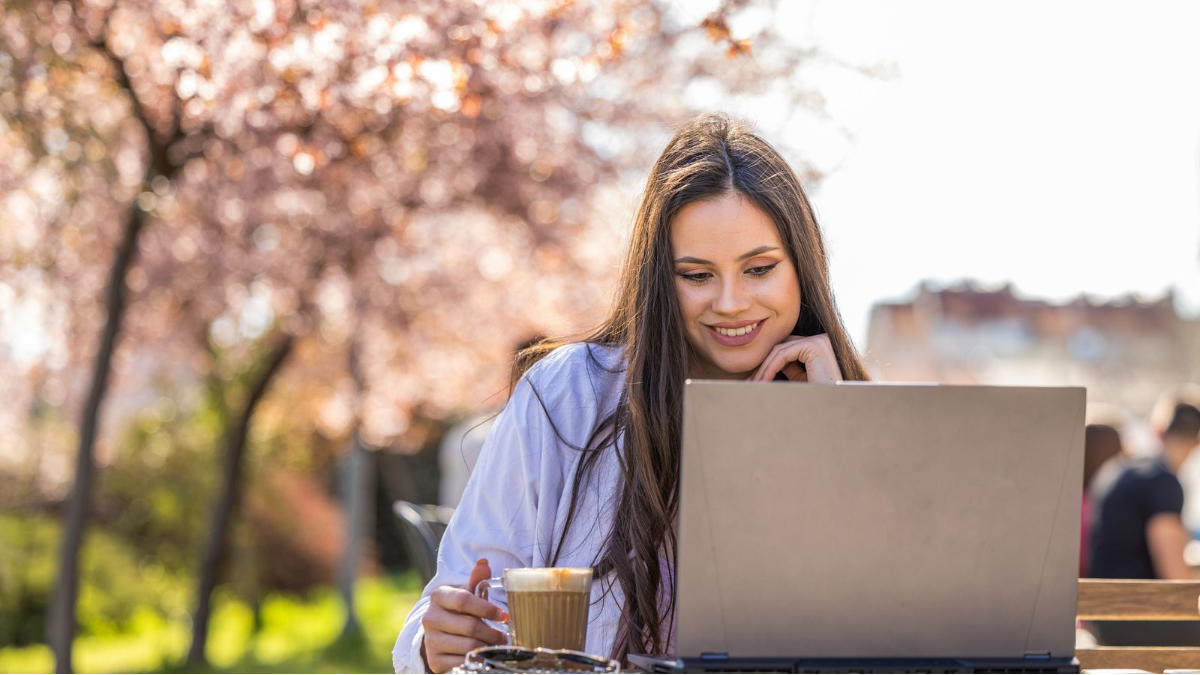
[(734, 332)]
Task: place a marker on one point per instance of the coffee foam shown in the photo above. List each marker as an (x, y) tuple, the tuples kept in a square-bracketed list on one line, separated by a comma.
[(575, 579)]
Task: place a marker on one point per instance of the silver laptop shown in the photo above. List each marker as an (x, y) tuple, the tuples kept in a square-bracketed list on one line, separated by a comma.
[(878, 521)]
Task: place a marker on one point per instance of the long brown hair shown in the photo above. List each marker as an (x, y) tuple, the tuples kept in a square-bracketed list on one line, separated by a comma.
[(708, 157)]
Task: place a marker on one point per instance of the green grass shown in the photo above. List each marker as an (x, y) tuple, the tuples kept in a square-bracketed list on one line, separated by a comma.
[(298, 634)]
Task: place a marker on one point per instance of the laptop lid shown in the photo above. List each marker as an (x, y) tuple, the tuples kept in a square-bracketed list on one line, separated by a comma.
[(879, 520)]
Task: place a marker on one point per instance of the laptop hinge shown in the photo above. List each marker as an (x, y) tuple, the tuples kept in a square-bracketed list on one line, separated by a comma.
[(1041, 656), (714, 656)]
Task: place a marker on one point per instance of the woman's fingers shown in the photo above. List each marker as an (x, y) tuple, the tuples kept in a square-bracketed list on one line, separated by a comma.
[(462, 601), (444, 652), (775, 363), (452, 623), (801, 359), (822, 365), (760, 375), (782, 354), (479, 573), (795, 372), (458, 645), (450, 633)]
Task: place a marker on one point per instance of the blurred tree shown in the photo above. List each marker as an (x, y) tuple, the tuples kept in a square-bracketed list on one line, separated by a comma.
[(356, 488), (407, 188), (161, 166), (227, 499)]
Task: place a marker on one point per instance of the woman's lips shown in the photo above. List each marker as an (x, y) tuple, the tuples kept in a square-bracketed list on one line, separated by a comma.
[(735, 341)]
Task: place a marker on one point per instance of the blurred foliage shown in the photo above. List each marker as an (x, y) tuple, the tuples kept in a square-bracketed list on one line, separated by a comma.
[(152, 515), (157, 494), (154, 494), (296, 634), (116, 583)]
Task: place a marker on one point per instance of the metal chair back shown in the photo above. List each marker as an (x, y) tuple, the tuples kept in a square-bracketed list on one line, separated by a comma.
[(423, 527)]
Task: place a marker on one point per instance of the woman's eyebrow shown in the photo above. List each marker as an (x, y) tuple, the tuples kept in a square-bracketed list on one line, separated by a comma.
[(699, 261)]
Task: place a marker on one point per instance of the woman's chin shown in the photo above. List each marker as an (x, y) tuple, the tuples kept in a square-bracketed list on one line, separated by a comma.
[(730, 367), (738, 369)]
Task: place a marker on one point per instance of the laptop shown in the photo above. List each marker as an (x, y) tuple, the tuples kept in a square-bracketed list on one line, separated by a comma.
[(877, 528)]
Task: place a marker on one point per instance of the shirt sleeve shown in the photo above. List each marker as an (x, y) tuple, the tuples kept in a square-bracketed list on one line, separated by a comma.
[(498, 518), (1164, 495)]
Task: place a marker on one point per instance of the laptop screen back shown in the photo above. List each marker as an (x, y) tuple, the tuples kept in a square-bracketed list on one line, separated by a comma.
[(875, 520)]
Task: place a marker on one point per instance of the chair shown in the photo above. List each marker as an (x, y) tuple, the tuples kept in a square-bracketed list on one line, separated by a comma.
[(438, 518), (1138, 600), (422, 527)]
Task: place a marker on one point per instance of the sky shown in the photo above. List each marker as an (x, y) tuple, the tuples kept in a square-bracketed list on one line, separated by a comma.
[(1052, 145)]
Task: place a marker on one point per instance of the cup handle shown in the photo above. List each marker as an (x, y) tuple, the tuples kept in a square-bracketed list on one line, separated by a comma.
[(484, 587), (482, 590)]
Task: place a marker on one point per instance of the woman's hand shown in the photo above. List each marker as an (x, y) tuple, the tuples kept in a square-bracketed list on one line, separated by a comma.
[(801, 359), (454, 622)]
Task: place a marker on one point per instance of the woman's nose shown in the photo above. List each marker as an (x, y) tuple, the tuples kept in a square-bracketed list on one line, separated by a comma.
[(732, 299)]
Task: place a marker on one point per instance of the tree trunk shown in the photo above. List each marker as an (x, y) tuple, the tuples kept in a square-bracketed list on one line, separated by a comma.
[(355, 491), (355, 495), (226, 501), (62, 611)]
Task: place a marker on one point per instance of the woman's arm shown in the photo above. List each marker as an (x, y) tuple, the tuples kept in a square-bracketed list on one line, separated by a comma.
[(496, 520)]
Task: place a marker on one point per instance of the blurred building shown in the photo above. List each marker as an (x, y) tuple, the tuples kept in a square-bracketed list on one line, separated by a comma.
[(1126, 352)]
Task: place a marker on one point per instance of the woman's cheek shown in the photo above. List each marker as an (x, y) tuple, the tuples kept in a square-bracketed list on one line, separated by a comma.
[(691, 302), (780, 288), (784, 297)]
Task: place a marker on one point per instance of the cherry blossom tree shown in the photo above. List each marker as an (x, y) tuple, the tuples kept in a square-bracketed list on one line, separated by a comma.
[(407, 189)]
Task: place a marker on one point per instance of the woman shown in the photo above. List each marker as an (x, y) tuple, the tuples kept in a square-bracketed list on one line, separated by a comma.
[(726, 278)]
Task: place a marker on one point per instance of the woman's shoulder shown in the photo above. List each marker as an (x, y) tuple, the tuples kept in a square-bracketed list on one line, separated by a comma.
[(579, 359), (578, 378)]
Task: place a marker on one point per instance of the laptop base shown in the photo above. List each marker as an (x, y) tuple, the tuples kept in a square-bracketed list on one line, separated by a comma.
[(667, 664)]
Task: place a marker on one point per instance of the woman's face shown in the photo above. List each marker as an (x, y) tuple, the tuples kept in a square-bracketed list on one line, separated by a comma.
[(738, 290)]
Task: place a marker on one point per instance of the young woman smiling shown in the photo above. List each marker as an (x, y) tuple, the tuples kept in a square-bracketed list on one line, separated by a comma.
[(727, 278)]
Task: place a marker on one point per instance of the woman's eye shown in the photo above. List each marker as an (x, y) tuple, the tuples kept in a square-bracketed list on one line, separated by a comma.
[(701, 277)]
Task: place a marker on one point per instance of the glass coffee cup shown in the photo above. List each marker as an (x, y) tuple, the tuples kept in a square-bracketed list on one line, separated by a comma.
[(547, 606)]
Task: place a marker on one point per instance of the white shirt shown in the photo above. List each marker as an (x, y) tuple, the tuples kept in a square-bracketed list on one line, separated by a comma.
[(516, 501)]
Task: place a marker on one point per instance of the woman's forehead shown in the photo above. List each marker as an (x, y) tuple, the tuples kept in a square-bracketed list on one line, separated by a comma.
[(721, 228)]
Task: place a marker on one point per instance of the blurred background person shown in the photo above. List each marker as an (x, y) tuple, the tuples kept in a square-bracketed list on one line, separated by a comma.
[(1139, 532), (1103, 457), (1189, 472)]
